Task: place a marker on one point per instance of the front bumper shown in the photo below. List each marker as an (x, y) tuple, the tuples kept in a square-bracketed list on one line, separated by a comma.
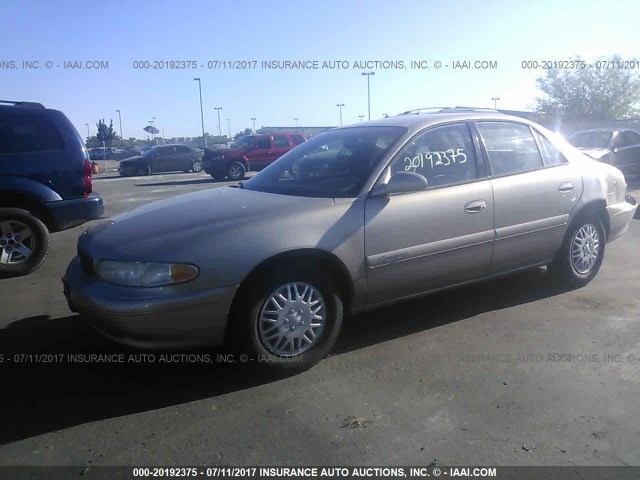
[(213, 165), (66, 214), (149, 317), (620, 215)]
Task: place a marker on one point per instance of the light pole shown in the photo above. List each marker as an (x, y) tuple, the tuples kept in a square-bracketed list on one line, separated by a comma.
[(495, 102), (204, 139), (296, 119), (253, 119), (219, 127), (229, 129), (88, 134), (340, 105), (360, 117), (120, 120), (368, 74)]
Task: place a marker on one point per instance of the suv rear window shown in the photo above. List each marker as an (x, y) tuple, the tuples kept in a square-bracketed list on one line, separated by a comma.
[(23, 131)]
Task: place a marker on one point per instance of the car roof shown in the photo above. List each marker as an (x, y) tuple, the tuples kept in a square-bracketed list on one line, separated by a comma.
[(415, 122)]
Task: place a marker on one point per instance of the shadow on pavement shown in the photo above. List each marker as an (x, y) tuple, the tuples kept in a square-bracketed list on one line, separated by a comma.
[(40, 395)]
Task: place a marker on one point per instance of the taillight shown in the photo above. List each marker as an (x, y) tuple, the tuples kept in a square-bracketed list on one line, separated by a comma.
[(86, 178)]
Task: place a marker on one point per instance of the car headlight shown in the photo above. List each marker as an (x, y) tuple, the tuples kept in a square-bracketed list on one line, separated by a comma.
[(142, 274)]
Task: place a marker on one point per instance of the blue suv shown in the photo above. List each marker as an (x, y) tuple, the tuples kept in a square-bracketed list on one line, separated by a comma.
[(45, 183)]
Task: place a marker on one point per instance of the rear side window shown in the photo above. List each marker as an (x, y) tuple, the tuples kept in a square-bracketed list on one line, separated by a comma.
[(183, 149), (550, 154), (280, 141), (24, 131), (443, 156), (511, 147)]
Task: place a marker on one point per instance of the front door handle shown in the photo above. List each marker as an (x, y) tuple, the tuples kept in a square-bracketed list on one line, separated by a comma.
[(565, 187), (476, 206)]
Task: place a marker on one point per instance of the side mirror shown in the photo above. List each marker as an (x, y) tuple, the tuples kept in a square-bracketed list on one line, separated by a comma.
[(401, 182)]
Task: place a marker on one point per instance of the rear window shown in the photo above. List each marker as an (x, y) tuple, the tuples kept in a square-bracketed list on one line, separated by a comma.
[(22, 131)]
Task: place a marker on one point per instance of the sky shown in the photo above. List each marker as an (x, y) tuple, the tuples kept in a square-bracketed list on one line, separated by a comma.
[(124, 35)]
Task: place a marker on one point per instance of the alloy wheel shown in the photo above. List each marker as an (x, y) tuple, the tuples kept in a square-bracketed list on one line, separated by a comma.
[(585, 249), (292, 319), (17, 242)]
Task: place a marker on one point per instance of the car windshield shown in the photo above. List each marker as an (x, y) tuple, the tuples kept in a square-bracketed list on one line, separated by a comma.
[(148, 153), (595, 139), (333, 164)]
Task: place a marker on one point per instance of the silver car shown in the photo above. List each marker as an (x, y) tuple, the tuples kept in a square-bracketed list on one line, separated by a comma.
[(355, 218)]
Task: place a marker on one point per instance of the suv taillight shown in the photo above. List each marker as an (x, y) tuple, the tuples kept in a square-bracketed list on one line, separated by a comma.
[(86, 178)]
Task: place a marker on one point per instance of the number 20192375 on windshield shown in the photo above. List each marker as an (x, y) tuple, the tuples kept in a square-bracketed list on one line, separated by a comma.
[(434, 159)]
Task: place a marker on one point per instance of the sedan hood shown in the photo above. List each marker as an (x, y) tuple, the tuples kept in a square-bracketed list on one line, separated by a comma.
[(595, 153), (159, 226), (215, 152), (131, 159)]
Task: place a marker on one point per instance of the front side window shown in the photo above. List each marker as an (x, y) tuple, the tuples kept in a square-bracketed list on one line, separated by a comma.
[(182, 149), (23, 132), (333, 164), (280, 141), (443, 156), (262, 143), (511, 147), (626, 138)]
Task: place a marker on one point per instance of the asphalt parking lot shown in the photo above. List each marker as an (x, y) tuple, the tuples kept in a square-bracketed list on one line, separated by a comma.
[(517, 371)]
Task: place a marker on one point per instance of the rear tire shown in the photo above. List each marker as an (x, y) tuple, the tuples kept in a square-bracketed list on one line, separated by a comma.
[(582, 252), (24, 242), (143, 170), (236, 171), (297, 333)]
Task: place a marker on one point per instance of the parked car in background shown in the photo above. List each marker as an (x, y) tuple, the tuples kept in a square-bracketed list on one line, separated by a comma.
[(127, 152), (620, 148), (249, 153), (354, 218), (45, 183), (163, 158), (102, 153)]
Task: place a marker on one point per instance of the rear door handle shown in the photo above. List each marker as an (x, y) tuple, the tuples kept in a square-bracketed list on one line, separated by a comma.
[(565, 187), (476, 206)]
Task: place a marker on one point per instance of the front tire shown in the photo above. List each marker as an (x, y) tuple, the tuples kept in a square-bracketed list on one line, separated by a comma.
[(24, 242), (143, 170), (236, 171), (582, 252), (196, 166), (291, 320)]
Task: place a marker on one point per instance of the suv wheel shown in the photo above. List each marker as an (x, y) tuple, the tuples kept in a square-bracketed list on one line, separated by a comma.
[(290, 321), (582, 252), (143, 170), (236, 171), (24, 242)]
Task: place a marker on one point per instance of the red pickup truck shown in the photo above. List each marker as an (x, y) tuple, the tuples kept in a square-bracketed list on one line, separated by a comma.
[(250, 153)]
